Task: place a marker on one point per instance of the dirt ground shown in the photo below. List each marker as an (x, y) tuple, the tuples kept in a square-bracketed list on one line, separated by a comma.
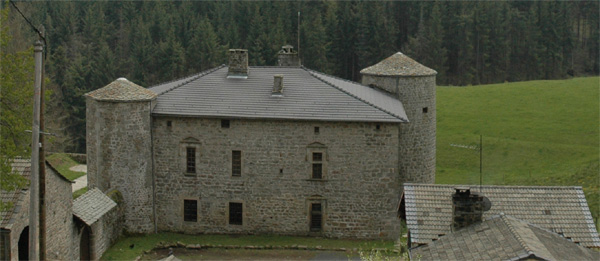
[(248, 254)]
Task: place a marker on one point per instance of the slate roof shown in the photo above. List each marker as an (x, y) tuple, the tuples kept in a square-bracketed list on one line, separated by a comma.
[(92, 205), (22, 167), (502, 237), (428, 210), (307, 95), (122, 90), (398, 65)]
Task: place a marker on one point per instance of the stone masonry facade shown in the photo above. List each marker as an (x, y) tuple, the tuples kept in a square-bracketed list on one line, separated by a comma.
[(417, 138), (359, 190), (119, 157)]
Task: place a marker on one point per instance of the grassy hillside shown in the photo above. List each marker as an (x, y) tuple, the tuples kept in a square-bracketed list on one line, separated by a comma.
[(534, 133)]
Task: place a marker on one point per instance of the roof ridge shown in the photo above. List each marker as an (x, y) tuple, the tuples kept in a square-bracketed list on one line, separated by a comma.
[(197, 76), (493, 186), (514, 232), (350, 94)]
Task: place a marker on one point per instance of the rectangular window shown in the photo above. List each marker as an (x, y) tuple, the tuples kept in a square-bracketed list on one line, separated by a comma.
[(235, 213), (190, 210), (316, 217), (317, 130), (225, 124), (236, 163), (190, 160), (317, 165)]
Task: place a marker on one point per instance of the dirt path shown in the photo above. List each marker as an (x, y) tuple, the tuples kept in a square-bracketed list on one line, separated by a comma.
[(80, 182)]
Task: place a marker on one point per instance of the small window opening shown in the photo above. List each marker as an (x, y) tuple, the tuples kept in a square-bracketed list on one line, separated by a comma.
[(236, 163), (425, 110), (316, 130), (169, 123), (316, 217), (225, 124), (280, 171), (317, 166), (235, 213), (190, 210), (378, 127), (190, 160)]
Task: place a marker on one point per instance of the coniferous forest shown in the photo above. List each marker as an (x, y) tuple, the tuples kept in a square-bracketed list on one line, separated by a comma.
[(90, 44)]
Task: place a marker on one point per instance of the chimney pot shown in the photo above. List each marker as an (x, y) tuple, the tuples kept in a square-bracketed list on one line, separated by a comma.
[(238, 63), (287, 56), (277, 85)]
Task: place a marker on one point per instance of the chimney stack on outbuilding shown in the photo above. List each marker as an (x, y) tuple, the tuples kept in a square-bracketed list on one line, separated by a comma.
[(288, 57), (467, 207), (238, 63), (277, 85)]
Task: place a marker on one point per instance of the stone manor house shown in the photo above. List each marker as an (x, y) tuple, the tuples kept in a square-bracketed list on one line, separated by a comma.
[(274, 149)]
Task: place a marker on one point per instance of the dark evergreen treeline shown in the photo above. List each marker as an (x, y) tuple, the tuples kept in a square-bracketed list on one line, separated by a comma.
[(92, 43)]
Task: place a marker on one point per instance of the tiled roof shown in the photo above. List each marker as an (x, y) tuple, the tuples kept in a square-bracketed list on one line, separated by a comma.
[(92, 205), (502, 237), (12, 197), (122, 90), (307, 95), (398, 65), (428, 210)]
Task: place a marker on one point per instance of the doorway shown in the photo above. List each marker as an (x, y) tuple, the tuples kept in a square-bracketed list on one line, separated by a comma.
[(84, 244), (24, 244)]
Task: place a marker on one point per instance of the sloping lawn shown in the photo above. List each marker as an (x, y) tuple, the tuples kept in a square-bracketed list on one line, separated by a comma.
[(534, 133)]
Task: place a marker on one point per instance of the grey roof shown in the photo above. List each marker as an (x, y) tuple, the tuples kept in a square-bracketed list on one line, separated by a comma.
[(502, 237), (12, 198), (92, 205), (398, 65), (122, 90), (307, 95), (428, 210)]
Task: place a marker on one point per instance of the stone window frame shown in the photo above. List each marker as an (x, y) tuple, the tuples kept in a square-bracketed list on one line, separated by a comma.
[(316, 199), (243, 223), (317, 147), (183, 209), (186, 143), (241, 163)]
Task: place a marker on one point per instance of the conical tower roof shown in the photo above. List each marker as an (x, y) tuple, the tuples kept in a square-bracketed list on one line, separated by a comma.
[(122, 90), (398, 65)]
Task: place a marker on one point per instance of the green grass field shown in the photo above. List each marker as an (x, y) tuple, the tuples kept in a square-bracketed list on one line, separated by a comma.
[(128, 248), (534, 133)]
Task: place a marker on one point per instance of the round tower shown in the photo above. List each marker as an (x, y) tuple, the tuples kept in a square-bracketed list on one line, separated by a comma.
[(119, 148), (414, 85)]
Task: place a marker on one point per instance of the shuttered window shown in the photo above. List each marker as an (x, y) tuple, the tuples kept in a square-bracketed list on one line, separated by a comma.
[(316, 217), (317, 165), (190, 160), (236, 163), (190, 210), (235, 213)]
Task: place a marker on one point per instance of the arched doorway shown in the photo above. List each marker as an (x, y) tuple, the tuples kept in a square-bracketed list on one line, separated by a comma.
[(24, 244), (84, 244)]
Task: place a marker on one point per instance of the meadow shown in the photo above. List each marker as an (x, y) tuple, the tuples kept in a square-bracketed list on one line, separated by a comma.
[(534, 133)]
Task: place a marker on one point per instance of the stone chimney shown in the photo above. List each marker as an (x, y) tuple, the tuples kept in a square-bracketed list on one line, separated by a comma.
[(287, 56), (467, 207), (238, 63), (277, 85)]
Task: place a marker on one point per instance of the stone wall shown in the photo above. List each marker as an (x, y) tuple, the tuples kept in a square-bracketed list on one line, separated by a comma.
[(359, 192), (109, 228), (417, 138), (119, 157), (59, 216)]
